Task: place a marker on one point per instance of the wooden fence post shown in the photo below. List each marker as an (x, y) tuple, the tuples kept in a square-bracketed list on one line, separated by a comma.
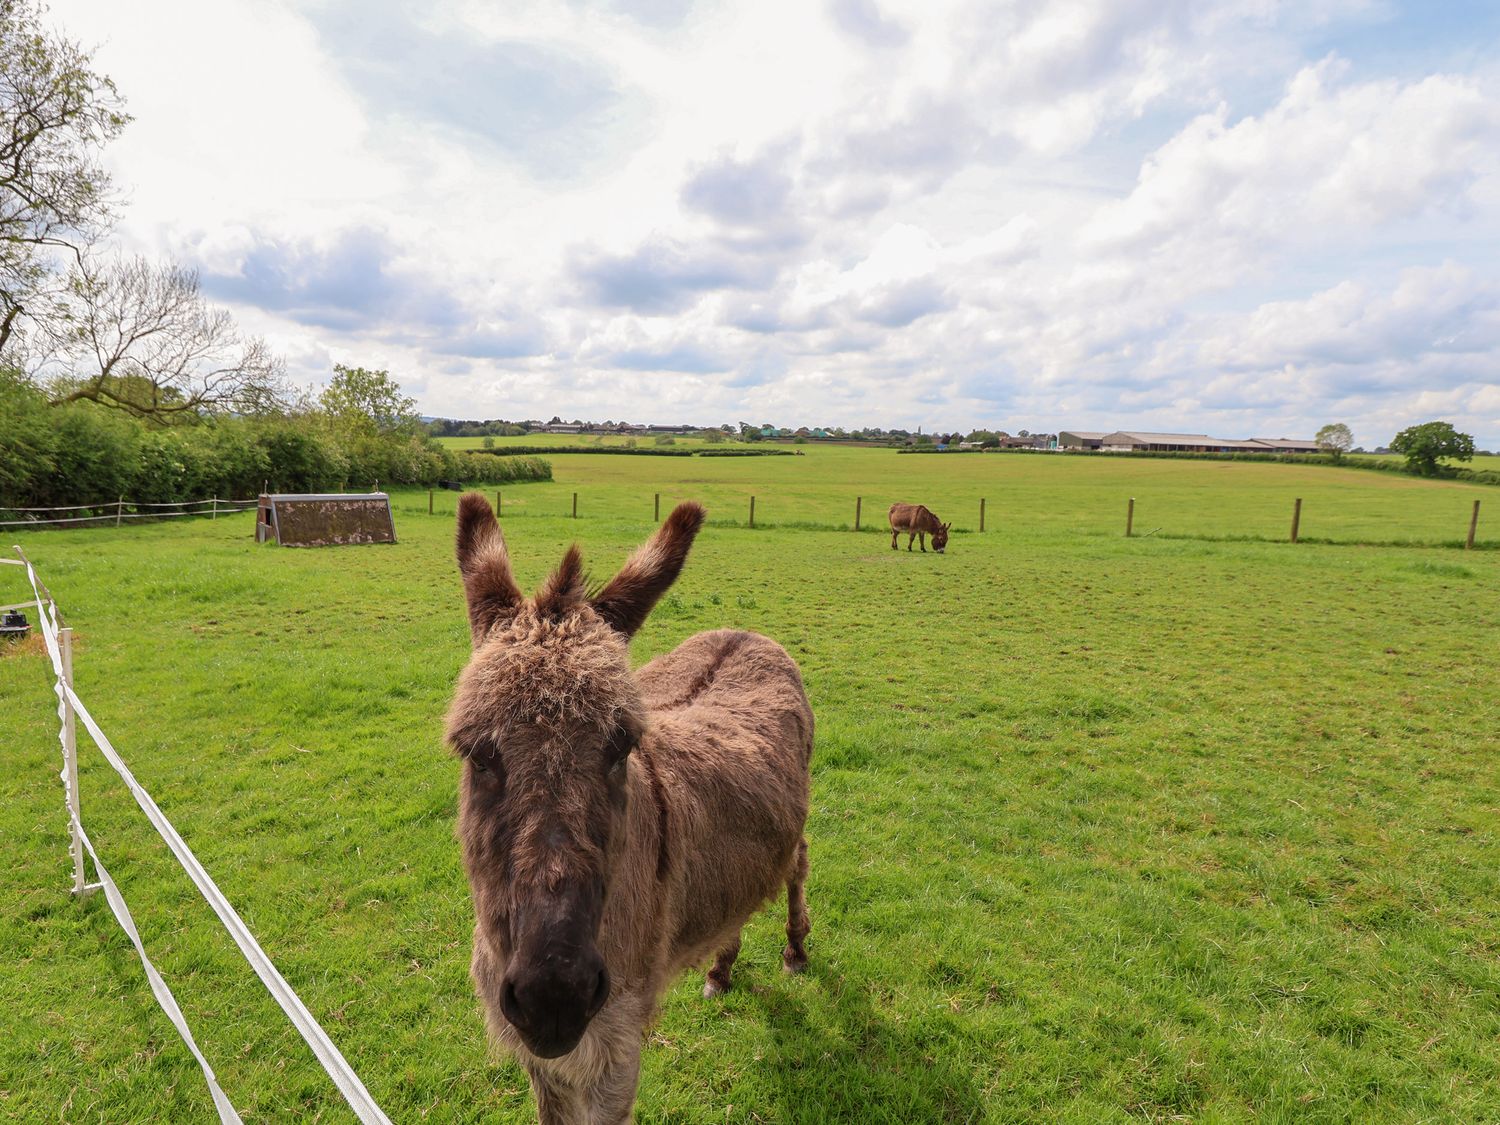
[(575, 505), (1296, 518), (656, 512), (70, 760), (1473, 527), (497, 503), (119, 510), (1129, 517), (429, 501), (981, 513), (858, 504), (216, 507), (752, 511)]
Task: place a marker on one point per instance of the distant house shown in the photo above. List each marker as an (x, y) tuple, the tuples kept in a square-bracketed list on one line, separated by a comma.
[(1028, 441)]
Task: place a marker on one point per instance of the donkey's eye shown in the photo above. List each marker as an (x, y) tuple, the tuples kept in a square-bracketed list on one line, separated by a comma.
[(485, 768), (621, 743)]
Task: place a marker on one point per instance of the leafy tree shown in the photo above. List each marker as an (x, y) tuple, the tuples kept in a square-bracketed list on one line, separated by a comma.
[(362, 403), (1336, 439), (1423, 445), (56, 114)]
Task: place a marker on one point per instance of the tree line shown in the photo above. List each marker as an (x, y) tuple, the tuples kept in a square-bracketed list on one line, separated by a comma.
[(358, 433)]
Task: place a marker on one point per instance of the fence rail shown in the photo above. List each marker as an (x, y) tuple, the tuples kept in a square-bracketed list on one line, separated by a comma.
[(70, 708), (116, 511)]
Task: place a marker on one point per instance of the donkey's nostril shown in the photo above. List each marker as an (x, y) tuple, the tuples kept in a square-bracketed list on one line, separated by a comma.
[(509, 1006), (601, 993)]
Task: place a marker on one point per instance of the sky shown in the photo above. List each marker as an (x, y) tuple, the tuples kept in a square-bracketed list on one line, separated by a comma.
[(1245, 218)]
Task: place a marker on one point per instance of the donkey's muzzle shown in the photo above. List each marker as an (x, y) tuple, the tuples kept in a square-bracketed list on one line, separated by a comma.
[(551, 1003)]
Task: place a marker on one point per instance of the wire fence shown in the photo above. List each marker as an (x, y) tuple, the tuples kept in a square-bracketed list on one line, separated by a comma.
[(71, 710), (116, 513), (977, 516)]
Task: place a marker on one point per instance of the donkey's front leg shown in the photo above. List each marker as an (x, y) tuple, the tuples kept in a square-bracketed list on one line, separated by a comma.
[(922, 541), (612, 1101), (557, 1103)]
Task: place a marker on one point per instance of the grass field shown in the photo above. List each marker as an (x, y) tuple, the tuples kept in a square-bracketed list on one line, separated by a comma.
[(1024, 493), (1102, 829)]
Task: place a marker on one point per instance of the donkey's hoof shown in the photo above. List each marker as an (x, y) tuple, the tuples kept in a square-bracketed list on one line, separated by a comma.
[(793, 963), (712, 988)]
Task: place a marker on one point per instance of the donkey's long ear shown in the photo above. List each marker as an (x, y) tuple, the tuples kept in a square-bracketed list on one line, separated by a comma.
[(490, 588), (628, 598)]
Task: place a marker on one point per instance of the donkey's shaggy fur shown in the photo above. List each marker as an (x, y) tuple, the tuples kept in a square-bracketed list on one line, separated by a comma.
[(616, 827)]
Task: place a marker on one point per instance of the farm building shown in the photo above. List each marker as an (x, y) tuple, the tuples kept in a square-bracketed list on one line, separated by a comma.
[(1079, 439), (1129, 441), (1288, 445)]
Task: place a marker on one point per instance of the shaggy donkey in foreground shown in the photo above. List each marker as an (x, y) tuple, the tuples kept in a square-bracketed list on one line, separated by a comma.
[(616, 826)]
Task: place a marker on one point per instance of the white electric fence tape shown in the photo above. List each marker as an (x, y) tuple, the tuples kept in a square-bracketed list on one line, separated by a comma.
[(164, 996), (328, 1055)]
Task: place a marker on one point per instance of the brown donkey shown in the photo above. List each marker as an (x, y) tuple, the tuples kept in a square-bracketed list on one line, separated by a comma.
[(918, 523), (616, 826)]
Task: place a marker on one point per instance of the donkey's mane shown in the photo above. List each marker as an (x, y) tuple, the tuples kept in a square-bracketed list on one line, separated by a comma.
[(539, 666)]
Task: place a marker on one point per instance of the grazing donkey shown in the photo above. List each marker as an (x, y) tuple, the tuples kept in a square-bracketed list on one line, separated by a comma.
[(616, 826), (918, 523)]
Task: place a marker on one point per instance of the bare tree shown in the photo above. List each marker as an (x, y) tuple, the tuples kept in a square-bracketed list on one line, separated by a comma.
[(55, 198), (141, 338)]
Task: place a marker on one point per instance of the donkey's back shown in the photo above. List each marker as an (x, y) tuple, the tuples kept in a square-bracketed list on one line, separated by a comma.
[(729, 681), (730, 732), (912, 517)]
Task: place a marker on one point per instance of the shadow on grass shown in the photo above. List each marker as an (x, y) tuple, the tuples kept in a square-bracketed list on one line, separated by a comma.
[(837, 1058)]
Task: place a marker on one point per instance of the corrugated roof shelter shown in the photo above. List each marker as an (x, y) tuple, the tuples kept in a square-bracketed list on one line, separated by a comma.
[(324, 519)]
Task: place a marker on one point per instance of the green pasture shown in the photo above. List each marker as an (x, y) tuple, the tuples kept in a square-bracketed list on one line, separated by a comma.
[(1023, 493), (1157, 829)]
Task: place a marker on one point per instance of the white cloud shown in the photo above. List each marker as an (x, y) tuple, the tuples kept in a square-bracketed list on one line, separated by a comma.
[(1044, 213), (1326, 160)]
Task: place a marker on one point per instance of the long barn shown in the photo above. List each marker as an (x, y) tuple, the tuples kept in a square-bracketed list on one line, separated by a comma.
[(1131, 441)]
